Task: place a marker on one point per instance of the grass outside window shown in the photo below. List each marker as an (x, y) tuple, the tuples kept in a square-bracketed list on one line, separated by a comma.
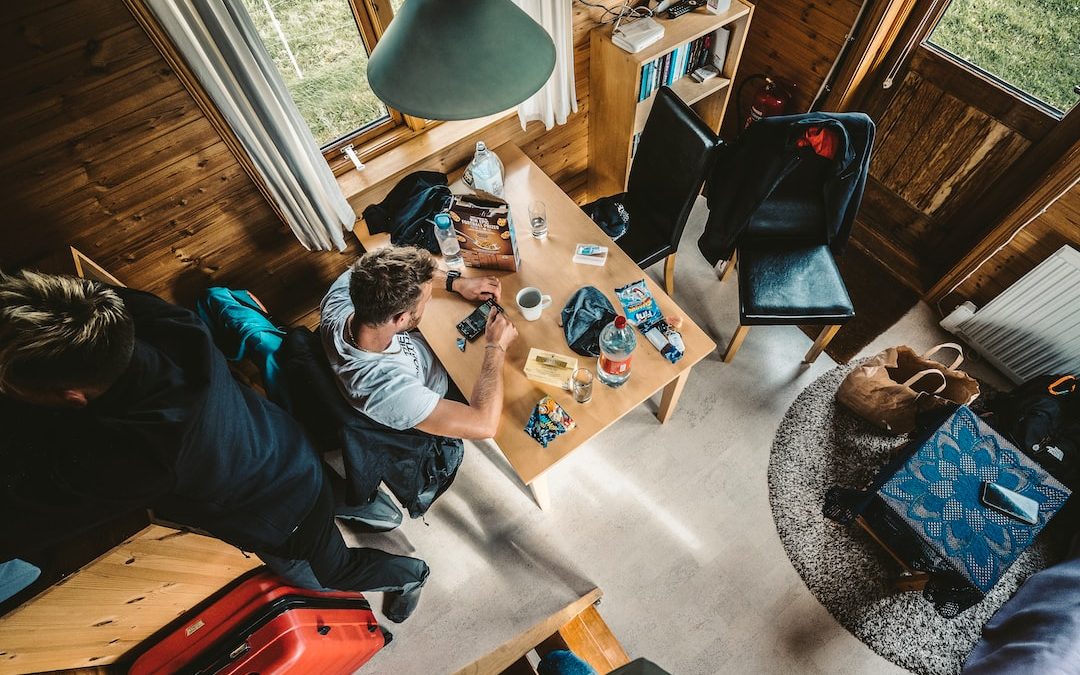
[(320, 48), (1033, 46)]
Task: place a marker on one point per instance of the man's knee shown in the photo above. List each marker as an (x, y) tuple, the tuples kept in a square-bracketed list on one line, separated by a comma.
[(294, 572), (369, 569)]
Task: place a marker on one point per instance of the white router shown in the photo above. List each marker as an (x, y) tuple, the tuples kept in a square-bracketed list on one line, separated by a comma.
[(637, 35)]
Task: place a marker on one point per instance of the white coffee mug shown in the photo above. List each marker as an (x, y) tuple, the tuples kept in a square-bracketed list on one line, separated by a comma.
[(531, 302)]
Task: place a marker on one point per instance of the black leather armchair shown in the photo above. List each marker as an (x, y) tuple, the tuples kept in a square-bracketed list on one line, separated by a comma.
[(675, 153), (787, 209)]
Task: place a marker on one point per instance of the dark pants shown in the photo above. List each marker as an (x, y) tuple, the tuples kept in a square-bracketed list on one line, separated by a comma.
[(315, 556)]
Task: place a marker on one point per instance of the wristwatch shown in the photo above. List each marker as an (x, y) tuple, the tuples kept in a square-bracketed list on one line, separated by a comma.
[(450, 276)]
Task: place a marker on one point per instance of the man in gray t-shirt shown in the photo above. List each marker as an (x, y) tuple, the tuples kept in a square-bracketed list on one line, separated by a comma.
[(385, 368)]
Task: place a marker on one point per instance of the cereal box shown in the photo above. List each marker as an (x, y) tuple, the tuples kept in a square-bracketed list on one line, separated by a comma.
[(485, 231)]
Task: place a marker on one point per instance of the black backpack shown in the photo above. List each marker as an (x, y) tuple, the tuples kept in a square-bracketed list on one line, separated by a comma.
[(1042, 417)]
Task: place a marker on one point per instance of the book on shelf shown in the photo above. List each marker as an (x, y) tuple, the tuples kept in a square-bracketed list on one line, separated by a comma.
[(719, 49), (704, 73), (678, 63)]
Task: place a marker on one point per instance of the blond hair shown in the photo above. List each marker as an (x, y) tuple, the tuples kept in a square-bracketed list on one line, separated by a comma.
[(61, 332), (387, 281)]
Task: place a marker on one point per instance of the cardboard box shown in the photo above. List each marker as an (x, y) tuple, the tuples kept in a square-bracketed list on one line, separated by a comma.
[(485, 231), (550, 368)]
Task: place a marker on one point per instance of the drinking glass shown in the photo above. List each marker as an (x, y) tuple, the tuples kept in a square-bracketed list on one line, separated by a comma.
[(581, 382), (538, 219)]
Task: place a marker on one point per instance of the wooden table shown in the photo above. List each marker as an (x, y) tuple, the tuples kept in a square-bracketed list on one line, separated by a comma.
[(547, 264)]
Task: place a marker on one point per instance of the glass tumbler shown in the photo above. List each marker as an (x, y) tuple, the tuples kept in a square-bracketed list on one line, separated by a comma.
[(581, 383), (538, 219)]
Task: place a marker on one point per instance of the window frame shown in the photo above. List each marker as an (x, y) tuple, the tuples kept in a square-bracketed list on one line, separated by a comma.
[(1015, 91), (372, 18)]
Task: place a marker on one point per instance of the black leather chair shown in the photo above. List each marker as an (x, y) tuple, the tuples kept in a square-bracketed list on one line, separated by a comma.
[(788, 210), (675, 153)]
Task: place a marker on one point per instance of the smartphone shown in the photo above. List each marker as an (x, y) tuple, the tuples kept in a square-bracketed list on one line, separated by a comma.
[(472, 326), (1012, 504)]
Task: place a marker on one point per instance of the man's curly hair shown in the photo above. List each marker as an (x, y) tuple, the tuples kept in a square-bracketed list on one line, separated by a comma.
[(387, 281)]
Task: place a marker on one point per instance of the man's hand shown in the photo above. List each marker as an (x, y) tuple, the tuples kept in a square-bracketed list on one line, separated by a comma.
[(500, 331), (478, 288)]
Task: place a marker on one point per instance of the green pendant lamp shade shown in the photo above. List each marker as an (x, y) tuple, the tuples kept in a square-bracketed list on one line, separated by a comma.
[(460, 59)]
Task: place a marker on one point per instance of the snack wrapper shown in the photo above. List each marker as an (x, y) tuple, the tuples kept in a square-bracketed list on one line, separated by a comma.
[(642, 311), (548, 421)]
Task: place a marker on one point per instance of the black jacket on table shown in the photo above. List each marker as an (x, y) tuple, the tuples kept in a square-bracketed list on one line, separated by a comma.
[(175, 433), (748, 170), (408, 209)]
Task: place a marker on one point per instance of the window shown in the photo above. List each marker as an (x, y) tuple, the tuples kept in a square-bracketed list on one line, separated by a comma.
[(1031, 47), (321, 49)]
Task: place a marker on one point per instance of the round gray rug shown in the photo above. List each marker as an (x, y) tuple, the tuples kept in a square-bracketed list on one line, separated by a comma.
[(819, 445)]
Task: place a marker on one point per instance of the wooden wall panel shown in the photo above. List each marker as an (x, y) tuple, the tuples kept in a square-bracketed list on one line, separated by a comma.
[(1057, 226), (934, 144), (935, 155), (103, 148), (797, 41)]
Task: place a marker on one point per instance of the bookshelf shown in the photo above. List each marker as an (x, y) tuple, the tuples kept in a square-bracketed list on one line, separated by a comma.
[(616, 115)]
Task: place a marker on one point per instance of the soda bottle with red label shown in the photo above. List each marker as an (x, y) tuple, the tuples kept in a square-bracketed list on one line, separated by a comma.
[(617, 342)]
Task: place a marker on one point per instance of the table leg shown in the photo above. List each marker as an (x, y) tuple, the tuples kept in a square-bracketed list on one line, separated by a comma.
[(539, 489), (672, 392)]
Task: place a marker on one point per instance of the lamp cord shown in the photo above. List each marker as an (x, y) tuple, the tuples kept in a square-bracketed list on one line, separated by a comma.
[(622, 12)]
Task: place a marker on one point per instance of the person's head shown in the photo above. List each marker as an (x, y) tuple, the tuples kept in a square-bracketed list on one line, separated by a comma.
[(63, 341), (391, 286)]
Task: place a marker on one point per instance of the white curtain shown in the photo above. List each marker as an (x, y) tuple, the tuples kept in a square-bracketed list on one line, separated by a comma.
[(558, 98), (218, 41)]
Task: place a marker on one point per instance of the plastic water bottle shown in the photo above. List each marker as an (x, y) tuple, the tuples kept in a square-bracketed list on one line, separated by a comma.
[(448, 242), (617, 342), (485, 171)]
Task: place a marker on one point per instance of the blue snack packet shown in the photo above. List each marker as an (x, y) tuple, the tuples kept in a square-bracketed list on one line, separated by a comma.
[(548, 421), (642, 311)]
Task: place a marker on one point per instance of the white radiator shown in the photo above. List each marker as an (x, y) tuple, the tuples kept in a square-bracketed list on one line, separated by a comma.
[(1033, 327)]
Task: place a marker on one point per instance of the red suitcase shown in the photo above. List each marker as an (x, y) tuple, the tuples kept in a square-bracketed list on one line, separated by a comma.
[(260, 625)]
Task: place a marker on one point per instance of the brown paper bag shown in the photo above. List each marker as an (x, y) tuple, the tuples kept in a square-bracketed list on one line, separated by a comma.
[(894, 387)]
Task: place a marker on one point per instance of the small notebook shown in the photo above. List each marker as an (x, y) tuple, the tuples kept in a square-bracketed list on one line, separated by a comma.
[(590, 254)]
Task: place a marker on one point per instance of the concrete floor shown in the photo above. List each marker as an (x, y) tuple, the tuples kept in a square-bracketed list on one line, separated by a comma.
[(672, 522)]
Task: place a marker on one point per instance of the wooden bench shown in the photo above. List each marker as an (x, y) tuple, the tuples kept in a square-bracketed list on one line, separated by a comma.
[(94, 616), (577, 627)]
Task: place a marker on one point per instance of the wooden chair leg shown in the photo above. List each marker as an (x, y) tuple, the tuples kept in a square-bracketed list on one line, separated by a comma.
[(736, 342), (822, 341), (728, 266), (669, 275)]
